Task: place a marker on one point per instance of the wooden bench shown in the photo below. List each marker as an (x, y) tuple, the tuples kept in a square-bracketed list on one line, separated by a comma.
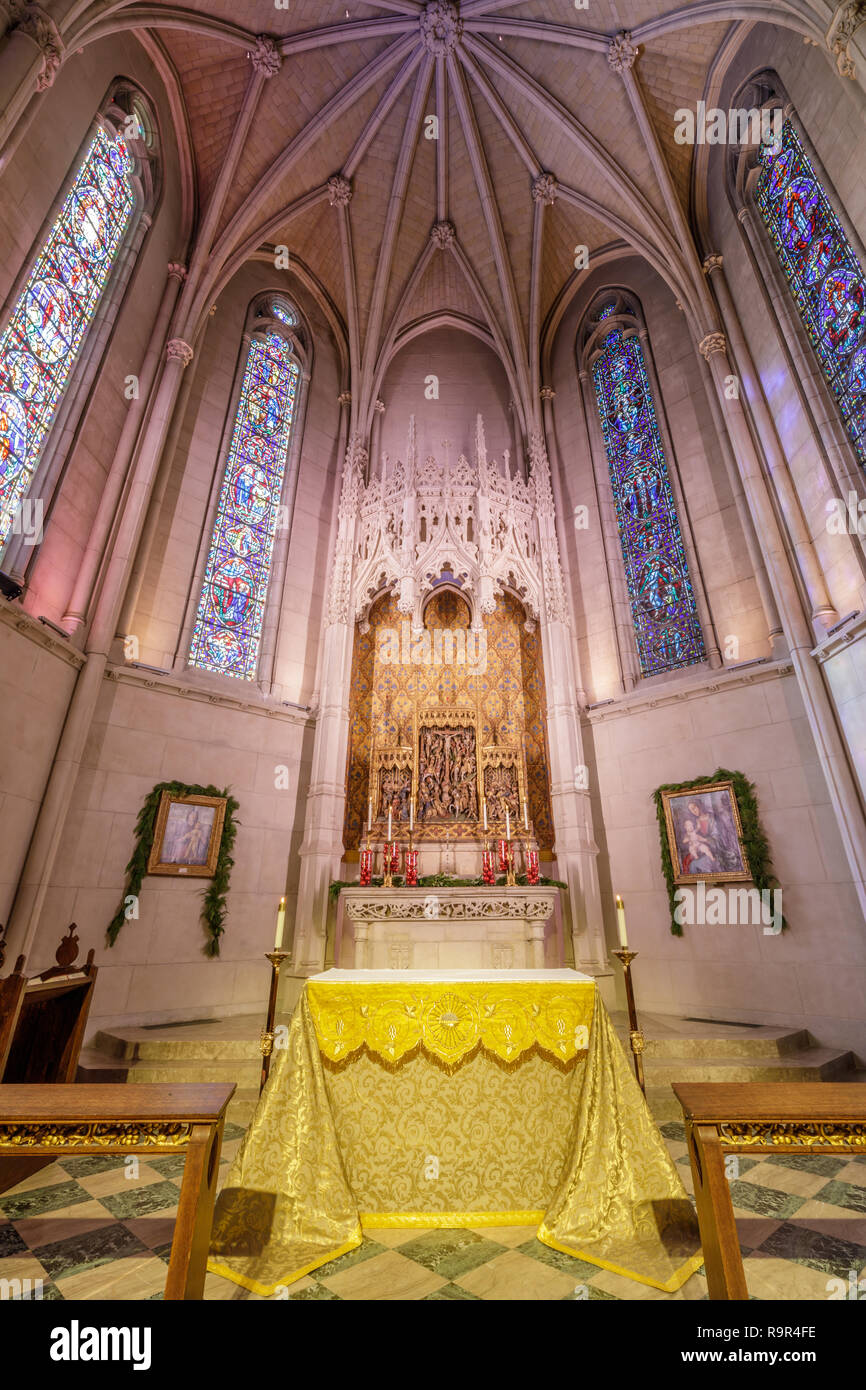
[(764, 1118), (131, 1119)]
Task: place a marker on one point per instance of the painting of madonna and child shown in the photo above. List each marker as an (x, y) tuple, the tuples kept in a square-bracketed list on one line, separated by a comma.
[(704, 834)]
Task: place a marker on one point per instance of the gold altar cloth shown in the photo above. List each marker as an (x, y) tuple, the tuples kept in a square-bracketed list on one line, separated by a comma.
[(448, 1104)]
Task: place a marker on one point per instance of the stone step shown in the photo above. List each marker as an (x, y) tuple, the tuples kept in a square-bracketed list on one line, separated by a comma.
[(812, 1064), (243, 1071), (241, 1042), (770, 1042)]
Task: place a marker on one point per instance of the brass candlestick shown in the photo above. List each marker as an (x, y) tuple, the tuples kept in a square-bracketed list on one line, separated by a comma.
[(635, 1036), (266, 1041), (509, 865)]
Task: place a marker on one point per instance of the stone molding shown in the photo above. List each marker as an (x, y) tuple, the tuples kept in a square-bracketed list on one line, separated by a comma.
[(441, 27), (846, 21), (621, 53), (339, 191), (545, 189), (266, 57), (177, 350), (31, 628), (853, 630), (713, 342), (443, 235), (637, 701), (448, 904), (170, 685), (33, 21)]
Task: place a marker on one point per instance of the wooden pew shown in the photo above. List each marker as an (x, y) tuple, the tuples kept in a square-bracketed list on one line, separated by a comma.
[(758, 1118), (132, 1119)]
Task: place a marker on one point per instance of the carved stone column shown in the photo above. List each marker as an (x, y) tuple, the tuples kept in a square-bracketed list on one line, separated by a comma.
[(576, 849), (322, 847)]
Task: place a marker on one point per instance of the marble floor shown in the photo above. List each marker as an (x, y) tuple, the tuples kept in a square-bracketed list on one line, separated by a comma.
[(97, 1228)]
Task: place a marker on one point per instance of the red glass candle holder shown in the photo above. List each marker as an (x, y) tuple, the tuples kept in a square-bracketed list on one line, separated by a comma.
[(488, 875), (391, 856), (503, 856), (366, 867), (412, 868), (532, 866)]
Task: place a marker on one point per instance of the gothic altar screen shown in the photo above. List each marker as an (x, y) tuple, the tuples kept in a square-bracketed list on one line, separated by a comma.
[(446, 718)]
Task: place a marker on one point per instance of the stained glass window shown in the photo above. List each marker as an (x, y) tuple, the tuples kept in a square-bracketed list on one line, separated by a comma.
[(825, 277), (42, 339), (228, 625), (283, 312), (664, 613)]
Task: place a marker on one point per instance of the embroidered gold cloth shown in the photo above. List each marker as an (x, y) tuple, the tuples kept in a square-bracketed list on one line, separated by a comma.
[(405, 1118), (452, 1021)]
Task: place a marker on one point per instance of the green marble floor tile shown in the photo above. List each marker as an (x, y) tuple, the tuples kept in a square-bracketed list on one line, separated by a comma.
[(673, 1129), (365, 1251), (233, 1132), (11, 1243), (451, 1253), (843, 1194), (40, 1200), (98, 1247), (556, 1259), (171, 1166), (141, 1199), (829, 1254), (315, 1293), (587, 1293), (89, 1164), (823, 1165), (765, 1201)]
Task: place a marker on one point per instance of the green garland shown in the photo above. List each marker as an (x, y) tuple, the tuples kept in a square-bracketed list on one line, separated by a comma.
[(754, 840), (442, 881), (214, 898)]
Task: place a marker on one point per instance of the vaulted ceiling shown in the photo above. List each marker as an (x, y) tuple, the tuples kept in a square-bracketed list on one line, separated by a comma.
[(438, 114)]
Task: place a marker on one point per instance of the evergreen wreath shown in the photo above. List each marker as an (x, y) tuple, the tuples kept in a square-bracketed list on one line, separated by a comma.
[(755, 842), (214, 905)]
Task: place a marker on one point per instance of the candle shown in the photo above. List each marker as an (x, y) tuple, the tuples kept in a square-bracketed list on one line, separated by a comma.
[(281, 922), (484, 810), (370, 816), (507, 824), (525, 815), (389, 823), (412, 814), (620, 922)]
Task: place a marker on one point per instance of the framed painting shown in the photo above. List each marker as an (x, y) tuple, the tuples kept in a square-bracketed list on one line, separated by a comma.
[(705, 835), (187, 835)]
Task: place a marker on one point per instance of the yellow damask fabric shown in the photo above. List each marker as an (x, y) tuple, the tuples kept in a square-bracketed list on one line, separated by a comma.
[(452, 1021), (378, 1136)]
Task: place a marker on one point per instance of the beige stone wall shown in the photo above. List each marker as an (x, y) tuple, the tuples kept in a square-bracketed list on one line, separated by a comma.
[(811, 975), (35, 684), (470, 380), (143, 735)]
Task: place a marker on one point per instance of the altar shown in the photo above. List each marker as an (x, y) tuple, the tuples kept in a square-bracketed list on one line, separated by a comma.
[(449, 928), (421, 1098)]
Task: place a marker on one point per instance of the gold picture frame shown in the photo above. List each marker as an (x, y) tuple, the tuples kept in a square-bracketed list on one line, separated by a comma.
[(705, 835), (186, 843)]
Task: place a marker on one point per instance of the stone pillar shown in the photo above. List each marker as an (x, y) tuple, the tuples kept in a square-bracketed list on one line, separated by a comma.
[(576, 850), (830, 747), (376, 438), (322, 847), (30, 58), (45, 841)]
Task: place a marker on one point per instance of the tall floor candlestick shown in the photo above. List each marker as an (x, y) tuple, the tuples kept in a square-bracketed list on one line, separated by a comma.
[(635, 1036), (266, 1042)]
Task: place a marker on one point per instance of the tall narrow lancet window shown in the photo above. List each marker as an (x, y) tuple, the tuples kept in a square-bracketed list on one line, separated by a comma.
[(44, 334), (822, 270), (230, 615), (666, 624)]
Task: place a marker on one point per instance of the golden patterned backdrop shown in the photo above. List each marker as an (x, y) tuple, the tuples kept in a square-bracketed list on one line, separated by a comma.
[(509, 694)]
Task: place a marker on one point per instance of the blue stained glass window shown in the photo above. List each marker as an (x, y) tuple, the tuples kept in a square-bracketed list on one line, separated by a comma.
[(42, 339), (825, 276), (664, 613), (283, 312), (228, 625)]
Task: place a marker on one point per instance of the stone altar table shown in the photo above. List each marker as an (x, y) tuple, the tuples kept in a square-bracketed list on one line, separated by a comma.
[(459, 928)]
